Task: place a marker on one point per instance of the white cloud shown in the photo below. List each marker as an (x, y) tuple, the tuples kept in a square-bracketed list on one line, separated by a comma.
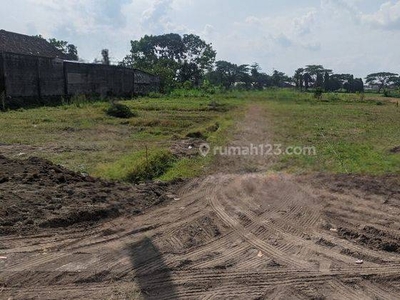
[(156, 17), (283, 40), (387, 17), (335, 33), (304, 24)]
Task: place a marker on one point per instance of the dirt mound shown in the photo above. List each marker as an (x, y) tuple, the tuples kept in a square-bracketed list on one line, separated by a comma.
[(37, 194)]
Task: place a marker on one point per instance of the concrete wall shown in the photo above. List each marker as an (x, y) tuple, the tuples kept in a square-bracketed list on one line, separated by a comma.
[(51, 77), (32, 79), (91, 79), (21, 75), (2, 83), (146, 83)]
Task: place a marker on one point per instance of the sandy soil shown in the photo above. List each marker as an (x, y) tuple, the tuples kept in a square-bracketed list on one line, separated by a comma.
[(240, 233)]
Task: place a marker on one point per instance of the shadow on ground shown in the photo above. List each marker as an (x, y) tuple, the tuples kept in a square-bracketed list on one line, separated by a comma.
[(152, 275)]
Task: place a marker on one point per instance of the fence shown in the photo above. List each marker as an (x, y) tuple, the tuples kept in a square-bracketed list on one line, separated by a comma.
[(27, 80)]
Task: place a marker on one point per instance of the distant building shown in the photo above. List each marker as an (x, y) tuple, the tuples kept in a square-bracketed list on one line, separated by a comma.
[(16, 43), (34, 72)]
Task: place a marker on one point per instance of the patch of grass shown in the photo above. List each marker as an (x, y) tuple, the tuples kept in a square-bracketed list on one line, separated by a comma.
[(118, 110), (350, 136), (139, 166), (351, 133), (185, 168), (83, 138)]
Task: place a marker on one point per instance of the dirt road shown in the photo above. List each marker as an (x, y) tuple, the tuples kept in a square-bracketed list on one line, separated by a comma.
[(241, 233)]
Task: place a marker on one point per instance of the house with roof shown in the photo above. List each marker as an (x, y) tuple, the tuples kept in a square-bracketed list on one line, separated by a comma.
[(32, 71), (16, 43)]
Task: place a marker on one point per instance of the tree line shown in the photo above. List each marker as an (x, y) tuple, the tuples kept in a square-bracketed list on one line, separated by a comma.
[(187, 60)]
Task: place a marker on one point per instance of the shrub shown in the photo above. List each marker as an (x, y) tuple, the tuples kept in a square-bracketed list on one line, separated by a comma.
[(361, 96), (151, 166), (79, 100), (154, 95), (187, 85), (118, 110), (318, 93), (386, 93)]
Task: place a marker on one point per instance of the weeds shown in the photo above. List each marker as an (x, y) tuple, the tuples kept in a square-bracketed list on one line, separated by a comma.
[(141, 166), (118, 110)]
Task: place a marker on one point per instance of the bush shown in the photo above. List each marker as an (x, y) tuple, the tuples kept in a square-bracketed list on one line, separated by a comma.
[(154, 165), (154, 95), (386, 93), (187, 85), (79, 100), (118, 110), (318, 93)]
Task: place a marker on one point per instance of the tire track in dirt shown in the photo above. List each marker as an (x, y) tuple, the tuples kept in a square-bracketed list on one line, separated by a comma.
[(231, 235)]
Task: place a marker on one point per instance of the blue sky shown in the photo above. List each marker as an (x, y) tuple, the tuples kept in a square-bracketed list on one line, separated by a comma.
[(348, 36)]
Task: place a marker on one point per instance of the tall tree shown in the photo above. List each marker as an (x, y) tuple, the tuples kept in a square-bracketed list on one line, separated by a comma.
[(228, 74), (299, 78), (319, 82), (382, 79), (105, 54), (66, 48), (316, 74), (307, 80), (327, 82), (260, 80), (279, 78), (187, 57)]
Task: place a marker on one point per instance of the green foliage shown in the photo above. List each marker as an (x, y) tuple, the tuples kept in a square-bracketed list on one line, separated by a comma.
[(318, 93), (141, 166), (118, 110), (187, 85), (152, 166), (227, 74), (382, 79), (66, 48), (154, 95), (79, 100), (209, 88), (173, 57)]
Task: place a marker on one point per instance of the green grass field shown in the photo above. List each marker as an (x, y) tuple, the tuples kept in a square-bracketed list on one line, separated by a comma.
[(83, 138), (351, 133)]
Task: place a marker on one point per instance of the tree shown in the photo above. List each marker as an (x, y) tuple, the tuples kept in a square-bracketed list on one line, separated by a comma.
[(313, 70), (228, 74), (307, 80), (327, 82), (319, 82), (335, 83), (66, 48), (187, 57), (299, 78), (382, 79), (349, 85), (316, 74), (279, 78), (259, 80), (105, 54), (358, 85)]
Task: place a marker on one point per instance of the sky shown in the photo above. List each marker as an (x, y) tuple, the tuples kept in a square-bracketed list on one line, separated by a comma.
[(348, 36)]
